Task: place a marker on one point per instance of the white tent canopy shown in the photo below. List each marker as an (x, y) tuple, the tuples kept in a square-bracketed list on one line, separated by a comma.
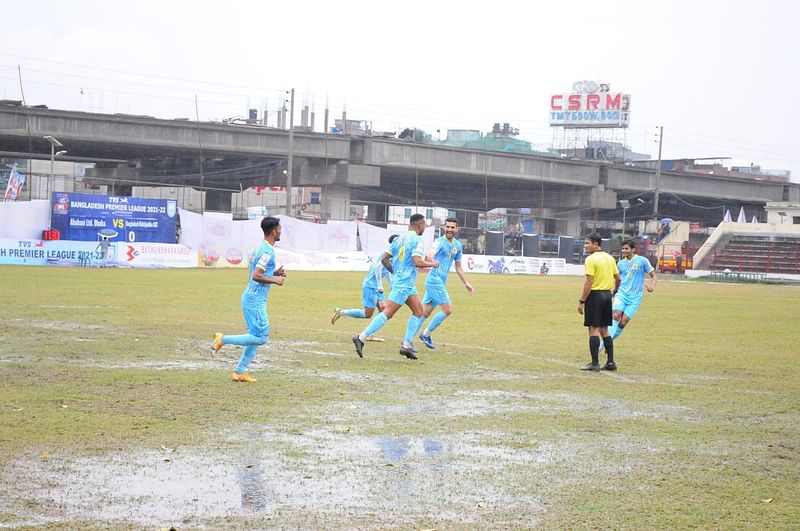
[(742, 216)]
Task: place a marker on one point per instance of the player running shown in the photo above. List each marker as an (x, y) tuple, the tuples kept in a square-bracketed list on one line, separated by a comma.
[(254, 300), (632, 269), (371, 291), (402, 260), (446, 250)]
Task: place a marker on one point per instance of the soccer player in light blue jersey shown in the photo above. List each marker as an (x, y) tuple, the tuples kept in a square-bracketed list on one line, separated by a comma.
[(447, 250), (371, 291), (263, 274), (633, 269), (402, 260)]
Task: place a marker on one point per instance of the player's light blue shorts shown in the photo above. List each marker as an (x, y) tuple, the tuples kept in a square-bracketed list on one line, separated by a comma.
[(436, 294), (255, 318), (370, 297), (627, 304), (400, 294)]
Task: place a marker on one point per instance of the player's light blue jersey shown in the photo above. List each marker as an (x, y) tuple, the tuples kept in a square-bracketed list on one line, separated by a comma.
[(446, 253), (376, 274), (633, 272), (403, 250), (263, 258)]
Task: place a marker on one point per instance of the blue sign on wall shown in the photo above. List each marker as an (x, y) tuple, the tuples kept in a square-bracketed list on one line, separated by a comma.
[(132, 219)]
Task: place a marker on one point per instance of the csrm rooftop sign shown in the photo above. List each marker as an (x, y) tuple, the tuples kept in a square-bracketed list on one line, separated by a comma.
[(590, 105)]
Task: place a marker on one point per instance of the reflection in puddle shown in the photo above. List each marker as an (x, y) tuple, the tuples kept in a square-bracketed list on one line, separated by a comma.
[(316, 479), (432, 446), (410, 469), (394, 449), (254, 491)]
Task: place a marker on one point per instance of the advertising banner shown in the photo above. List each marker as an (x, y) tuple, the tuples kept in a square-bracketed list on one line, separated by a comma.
[(513, 265), (590, 104), (129, 219), (58, 252), (155, 255)]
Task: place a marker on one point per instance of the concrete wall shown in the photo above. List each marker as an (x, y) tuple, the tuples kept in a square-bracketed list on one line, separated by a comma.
[(790, 210)]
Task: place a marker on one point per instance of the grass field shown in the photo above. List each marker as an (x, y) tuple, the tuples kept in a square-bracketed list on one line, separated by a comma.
[(114, 414)]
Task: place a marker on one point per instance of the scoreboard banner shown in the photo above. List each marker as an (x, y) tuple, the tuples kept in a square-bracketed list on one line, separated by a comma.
[(82, 217)]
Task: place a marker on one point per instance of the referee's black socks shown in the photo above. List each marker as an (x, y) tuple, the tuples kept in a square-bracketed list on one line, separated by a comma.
[(594, 349), (608, 343)]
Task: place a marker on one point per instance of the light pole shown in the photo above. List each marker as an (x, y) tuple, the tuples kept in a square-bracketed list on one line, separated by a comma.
[(658, 174), (53, 144), (625, 204), (290, 162)]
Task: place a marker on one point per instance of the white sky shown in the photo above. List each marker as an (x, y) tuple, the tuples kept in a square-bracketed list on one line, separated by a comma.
[(720, 76)]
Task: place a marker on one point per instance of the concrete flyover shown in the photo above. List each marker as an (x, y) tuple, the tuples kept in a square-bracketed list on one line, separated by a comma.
[(372, 168)]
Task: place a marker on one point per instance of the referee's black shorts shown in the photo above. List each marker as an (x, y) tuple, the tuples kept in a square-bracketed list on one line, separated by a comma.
[(598, 309)]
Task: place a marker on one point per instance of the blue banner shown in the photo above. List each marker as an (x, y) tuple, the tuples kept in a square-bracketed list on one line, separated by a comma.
[(38, 252), (86, 217)]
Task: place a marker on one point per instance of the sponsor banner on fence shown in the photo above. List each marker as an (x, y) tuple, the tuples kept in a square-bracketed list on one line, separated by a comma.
[(155, 255), (358, 261), (88, 254), (349, 261), (57, 252), (513, 265), (122, 254)]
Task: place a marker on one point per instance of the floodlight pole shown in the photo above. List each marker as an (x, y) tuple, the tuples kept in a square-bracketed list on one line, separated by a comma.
[(624, 225)]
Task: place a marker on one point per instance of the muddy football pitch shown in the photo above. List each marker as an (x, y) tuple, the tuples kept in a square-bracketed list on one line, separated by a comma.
[(114, 413)]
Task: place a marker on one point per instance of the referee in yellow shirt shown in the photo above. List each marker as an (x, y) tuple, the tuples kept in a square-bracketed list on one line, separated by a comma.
[(595, 304)]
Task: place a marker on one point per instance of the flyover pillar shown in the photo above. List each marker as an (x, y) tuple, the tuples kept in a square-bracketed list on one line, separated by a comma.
[(378, 213), (335, 202), (218, 200), (572, 224)]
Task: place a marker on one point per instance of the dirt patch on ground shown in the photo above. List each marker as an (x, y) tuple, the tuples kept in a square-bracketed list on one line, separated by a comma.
[(66, 326)]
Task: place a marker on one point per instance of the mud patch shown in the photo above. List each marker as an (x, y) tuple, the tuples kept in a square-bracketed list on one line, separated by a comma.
[(471, 403), (155, 365), (611, 408), (54, 325), (76, 306)]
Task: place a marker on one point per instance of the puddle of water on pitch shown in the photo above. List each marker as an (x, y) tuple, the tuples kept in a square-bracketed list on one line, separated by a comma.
[(321, 474)]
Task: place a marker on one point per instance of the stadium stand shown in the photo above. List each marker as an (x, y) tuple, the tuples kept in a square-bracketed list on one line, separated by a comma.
[(739, 249)]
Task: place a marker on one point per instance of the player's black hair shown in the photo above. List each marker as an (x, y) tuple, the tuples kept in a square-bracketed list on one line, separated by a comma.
[(451, 220), (416, 218), (268, 224), (595, 238), (392, 237), (629, 243)]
